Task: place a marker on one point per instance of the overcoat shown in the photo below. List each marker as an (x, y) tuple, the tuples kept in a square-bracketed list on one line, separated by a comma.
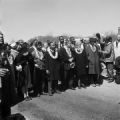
[(81, 63), (53, 65), (93, 60), (23, 77), (9, 96)]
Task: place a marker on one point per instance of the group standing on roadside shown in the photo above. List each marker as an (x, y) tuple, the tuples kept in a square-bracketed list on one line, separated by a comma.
[(28, 71)]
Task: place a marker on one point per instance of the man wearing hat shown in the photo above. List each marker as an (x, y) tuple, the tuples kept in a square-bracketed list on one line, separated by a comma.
[(109, 55), (93, 61)]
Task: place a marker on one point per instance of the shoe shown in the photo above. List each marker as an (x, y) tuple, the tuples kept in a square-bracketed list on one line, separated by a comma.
[(58, 92), (44, 93), (97, 84), (28, 98), (93, 85), (50, 94), (110, 80), (72, 88), (79, 87), (38, 95)]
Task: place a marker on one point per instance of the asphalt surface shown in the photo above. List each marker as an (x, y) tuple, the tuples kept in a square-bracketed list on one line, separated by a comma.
[(92, 103)]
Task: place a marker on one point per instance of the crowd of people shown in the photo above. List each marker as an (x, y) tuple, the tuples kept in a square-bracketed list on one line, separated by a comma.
[(32, 70)]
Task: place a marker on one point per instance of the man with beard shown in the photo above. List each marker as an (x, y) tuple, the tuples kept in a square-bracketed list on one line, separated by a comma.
[(6, 83), (52, 68)]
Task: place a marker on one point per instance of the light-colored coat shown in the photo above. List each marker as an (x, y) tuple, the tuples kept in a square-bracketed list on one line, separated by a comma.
[(109, 52), (93, 58)]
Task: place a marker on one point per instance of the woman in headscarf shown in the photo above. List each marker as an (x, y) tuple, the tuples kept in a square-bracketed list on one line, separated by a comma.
[(23, 71)]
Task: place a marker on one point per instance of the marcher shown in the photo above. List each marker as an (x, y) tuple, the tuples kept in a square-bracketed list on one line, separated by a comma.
[(81, 63), (52, 64), (8, 94), (23, 72), (94, 63), (67, 59), (39, 69), (109, 54)]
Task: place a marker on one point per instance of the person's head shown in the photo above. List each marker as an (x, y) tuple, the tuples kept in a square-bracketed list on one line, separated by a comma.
[(108, 39), (98, 36), (52, 45), (67, 42), (20, 41), (72, 39), (61, 39), (24, 48), (1, 38), (18, 46), (86, 40), (45, 44), (39, 45), (92, 40), (77, 45)]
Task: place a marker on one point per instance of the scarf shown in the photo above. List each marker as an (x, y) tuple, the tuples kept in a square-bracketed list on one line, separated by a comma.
[(38, 54), (93, 48), (51, 53), (68, 51)]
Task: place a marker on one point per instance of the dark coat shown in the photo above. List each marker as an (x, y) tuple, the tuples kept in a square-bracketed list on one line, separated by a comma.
[(94, 62), (53, 65), (9, 96), (23, 77), (81, 62), (64, 56)]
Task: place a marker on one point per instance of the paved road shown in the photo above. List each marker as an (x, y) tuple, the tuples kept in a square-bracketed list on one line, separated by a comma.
[(93, 103)]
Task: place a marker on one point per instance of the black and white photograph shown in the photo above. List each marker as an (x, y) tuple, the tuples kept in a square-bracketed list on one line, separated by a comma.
[(59, 60)]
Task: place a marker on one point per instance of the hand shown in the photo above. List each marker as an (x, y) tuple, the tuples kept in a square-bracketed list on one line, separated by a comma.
[(71, 59), (47, 71), (86, 66), (19, 68), (56, 49), (3, 72)]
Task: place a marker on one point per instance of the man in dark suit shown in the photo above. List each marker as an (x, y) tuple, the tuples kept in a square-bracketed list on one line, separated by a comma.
[(66, 57), (52, 68)]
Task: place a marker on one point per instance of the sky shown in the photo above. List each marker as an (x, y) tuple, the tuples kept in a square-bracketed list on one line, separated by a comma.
[(23, 19)]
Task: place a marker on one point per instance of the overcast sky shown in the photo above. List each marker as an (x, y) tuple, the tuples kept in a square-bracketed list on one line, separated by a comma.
[(28, 18)]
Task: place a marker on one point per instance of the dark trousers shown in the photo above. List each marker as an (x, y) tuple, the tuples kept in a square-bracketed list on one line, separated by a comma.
[(109, 66), (52, 86), (82, 80), (68, 80), (5, 105), (39, 80), (93, 78)]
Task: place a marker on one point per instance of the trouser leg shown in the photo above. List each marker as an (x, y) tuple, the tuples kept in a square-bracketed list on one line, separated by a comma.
[(50, 87)]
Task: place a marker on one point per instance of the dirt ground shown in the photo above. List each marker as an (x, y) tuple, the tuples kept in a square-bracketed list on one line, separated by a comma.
[(92, 103)]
